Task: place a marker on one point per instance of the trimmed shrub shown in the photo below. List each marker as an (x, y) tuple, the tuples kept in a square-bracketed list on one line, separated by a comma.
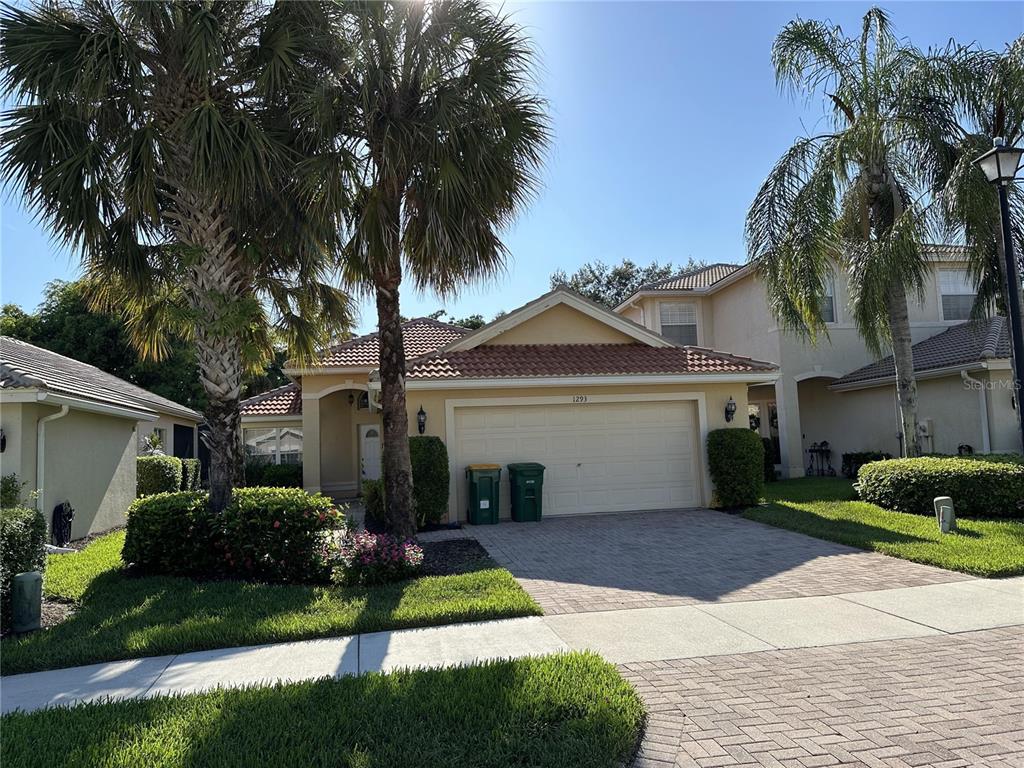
[(157, 474), (10, 491), (978, 488), (260, 473), (22, 548), (369, 558), (769, 460), (736, 464), (430, 478), (169, 533), (852, 462), (375, 520), (265, 534), (190, 469)]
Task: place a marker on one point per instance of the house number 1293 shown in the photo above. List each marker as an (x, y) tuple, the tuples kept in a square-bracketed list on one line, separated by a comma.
[(579, 398)]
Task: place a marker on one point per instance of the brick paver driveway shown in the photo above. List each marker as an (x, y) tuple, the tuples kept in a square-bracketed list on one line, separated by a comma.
[(941, 702), (651, 559)]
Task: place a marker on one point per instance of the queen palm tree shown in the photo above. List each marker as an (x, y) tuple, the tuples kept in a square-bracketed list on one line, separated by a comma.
[(438, 134), (984, 91), (157, 140), (847, 198)]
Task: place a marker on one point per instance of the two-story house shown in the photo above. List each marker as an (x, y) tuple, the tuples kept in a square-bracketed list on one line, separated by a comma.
[(835, 390)]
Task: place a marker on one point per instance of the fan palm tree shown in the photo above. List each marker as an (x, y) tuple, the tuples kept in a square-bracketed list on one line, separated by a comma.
[(438, 135), (157, 140), (848, 198)]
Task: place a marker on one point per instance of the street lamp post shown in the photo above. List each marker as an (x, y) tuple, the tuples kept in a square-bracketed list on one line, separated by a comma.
[(1000, 165)]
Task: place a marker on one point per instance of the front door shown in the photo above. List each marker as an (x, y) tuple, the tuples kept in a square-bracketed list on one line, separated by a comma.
[(369, 451)]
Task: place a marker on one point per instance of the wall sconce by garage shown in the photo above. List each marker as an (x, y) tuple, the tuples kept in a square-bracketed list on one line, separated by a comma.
[(730, 410), (3, 441), (351, 398), (421, 420)]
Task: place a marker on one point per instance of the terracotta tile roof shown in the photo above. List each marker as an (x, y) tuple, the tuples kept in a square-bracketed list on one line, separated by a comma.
[(691, 279), (283, 401), (970, 342), (421, 335), (24, 366), (553, 360)]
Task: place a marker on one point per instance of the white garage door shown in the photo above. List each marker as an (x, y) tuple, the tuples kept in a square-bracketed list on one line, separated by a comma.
[(600, 457)]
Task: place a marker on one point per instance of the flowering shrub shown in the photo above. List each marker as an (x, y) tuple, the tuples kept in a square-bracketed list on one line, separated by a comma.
[(265, 534), (376, 558)]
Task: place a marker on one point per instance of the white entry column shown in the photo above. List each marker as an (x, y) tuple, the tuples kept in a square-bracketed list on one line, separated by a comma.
[(791, 448)]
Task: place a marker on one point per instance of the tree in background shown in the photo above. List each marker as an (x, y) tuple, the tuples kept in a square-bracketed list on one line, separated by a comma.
[(65, 323), (158, 141), (848, 198), (439, 136), (612, 285)]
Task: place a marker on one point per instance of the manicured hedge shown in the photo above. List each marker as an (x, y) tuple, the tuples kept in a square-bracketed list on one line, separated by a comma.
[(736, 464), (264, 474), (265, 534), (158, 474), (429, 478), (190, 469), (978, 488), (852, 462), (22, 548)]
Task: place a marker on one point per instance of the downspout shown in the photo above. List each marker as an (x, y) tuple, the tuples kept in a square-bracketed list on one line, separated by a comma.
[(986, 443), (41, 454)]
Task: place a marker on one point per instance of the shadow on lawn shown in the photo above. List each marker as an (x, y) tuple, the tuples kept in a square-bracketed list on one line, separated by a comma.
[(851, 532)]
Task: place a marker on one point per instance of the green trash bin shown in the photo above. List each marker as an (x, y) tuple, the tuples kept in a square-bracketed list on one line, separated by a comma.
[(526, 482), (484, 481)]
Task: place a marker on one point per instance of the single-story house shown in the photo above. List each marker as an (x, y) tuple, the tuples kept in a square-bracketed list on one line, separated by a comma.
[(72, 432), (616, 412)]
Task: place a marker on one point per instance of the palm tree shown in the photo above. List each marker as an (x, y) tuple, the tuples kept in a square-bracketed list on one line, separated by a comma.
[(157, 140), (984, 91), (847, 198), (438, 134)]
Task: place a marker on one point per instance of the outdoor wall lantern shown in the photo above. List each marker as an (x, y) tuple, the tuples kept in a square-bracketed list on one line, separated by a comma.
[(730, 410), (351, 398), (3, 441), (421, 420)]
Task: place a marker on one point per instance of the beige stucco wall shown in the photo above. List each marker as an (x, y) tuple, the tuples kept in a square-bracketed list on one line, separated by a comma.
[(866, 419), (1002, 418), (562, 324), (434, 402), (89, 461), (167, 423)]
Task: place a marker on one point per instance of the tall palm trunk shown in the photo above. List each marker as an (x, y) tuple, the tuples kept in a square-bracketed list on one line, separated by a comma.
[(903, 358), (899, 331), (215, 282), (397, 464)]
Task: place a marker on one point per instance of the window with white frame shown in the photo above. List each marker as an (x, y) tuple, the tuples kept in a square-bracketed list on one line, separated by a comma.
[(828, 301), (679, 322), (957, 292), (281, 445)]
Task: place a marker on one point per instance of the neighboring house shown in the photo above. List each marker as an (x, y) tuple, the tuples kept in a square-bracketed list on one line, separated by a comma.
[(616, 412), (72, 432), (833, 391)]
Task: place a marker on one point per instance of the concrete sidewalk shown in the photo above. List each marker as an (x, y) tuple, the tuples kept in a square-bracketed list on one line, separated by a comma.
[(622, 636)]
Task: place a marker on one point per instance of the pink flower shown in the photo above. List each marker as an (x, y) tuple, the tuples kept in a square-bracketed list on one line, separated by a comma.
[(277, 523)]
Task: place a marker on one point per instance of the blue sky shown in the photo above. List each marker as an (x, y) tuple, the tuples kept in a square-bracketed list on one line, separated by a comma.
[(666, 119)]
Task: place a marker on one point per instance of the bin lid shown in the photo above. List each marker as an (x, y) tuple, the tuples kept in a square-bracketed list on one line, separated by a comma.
[(483, 466), (526, 466)]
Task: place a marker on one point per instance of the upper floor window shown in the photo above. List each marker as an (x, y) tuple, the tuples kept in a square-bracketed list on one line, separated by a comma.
[(679, 322), (957, 292), (828, 301)]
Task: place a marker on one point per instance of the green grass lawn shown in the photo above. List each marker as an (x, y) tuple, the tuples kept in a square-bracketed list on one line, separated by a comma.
[(826, 508), (121, 616), (568, 709)]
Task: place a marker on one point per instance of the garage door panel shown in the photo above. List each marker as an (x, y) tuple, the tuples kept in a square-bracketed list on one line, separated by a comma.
[(600, 457)]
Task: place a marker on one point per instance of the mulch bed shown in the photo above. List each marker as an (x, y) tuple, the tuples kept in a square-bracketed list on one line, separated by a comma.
[(452, 556)]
